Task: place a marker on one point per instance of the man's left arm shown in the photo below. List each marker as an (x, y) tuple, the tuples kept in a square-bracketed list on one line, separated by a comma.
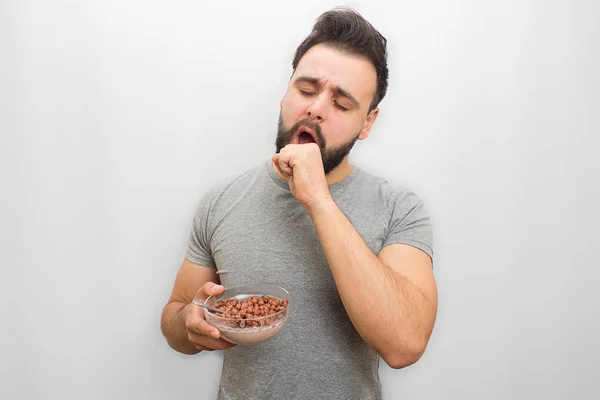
[(391, 299)]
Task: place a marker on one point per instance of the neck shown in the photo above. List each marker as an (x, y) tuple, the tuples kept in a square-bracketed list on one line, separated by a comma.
[(337, 175)]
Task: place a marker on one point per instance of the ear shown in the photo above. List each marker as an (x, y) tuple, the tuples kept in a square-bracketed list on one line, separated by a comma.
[(368, 124)]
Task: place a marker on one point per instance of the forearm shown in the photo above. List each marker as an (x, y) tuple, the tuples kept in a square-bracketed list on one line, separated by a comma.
[(387, 310), (173, 328)]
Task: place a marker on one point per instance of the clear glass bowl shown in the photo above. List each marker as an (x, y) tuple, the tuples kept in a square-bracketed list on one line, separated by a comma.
[(266, 328)]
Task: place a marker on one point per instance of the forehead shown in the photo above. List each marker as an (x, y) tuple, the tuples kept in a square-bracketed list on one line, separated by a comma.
[(351, 72)]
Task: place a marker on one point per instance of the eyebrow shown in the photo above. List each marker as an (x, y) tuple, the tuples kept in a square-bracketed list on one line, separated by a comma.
[(338, 90)]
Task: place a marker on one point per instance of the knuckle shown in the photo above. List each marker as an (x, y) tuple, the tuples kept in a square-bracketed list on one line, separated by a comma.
[(196, 339), (220, 345), (192, 329), (205, 331), (195, 325), (189, 324)]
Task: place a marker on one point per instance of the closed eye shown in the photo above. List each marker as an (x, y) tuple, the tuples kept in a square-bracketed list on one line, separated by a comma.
[(341, 107), (305, 93), (338, 105)]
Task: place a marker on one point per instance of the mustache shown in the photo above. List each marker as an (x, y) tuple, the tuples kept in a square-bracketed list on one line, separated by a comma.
[(309, 124), (331, 158)]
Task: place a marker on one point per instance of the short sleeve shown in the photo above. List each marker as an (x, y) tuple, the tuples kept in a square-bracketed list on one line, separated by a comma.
[(409, 223), (199, 251)]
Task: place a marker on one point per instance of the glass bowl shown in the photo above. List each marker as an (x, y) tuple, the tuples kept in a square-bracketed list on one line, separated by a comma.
[(249, 331)]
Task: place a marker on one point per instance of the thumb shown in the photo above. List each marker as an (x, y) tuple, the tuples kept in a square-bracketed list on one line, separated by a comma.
[(208, 289)]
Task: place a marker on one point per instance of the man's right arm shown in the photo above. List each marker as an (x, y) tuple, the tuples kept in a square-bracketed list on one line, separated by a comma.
[(182, 322), (173, 328)]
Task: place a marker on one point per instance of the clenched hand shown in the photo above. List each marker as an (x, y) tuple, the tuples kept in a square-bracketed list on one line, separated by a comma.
[(301, 165)]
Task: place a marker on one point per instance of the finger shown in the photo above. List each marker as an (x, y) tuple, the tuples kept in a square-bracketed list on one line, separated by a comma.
[(290, 157), (275, 159), (197, 325), (210, 343), (277, 165), (220, 344), (284, 163), (286, 170)]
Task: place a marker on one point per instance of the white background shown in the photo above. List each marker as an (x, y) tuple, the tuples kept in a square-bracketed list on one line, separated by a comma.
[(116, 116)]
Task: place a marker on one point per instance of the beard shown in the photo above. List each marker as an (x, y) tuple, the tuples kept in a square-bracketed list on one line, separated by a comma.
[(331, 157)]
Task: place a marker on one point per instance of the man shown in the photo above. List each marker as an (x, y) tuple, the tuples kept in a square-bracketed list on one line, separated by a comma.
[(354, 252)]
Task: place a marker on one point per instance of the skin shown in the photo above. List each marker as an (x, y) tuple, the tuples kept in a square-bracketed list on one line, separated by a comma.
[(339, 117), (182, 322), (399, 279)]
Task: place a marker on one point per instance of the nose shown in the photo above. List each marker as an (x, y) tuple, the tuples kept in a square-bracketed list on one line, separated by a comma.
[(317, 110), (314, 115)]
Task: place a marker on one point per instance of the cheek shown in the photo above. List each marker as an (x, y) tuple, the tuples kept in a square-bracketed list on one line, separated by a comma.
[(341, 129), (293, 108)]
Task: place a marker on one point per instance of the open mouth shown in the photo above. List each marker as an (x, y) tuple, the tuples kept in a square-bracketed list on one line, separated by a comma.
[(306, 135)]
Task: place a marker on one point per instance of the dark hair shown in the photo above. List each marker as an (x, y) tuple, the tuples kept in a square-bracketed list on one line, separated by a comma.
[(346, 30)]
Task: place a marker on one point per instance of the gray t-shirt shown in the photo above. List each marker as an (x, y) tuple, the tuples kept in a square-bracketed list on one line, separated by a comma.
[(252, 230)]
